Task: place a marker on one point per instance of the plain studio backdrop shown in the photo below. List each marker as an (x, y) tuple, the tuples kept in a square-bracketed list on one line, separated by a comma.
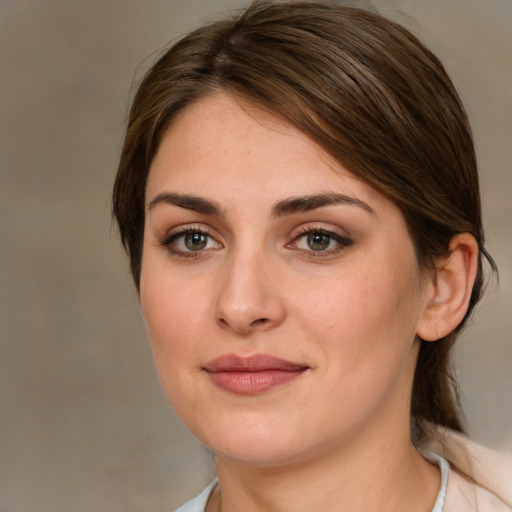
[(83, 423)]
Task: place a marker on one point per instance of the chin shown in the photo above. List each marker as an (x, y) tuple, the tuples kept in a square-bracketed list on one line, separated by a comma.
[(262, 453), (263, 443)]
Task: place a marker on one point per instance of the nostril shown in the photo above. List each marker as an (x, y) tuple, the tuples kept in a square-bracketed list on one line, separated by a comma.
[(259, 321), (243, 326)]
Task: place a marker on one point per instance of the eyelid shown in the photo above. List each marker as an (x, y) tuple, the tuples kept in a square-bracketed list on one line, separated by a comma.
[(343, 241), (170, 234), (181, 231)]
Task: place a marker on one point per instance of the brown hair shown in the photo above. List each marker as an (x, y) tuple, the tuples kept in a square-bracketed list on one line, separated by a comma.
[(365, 90)]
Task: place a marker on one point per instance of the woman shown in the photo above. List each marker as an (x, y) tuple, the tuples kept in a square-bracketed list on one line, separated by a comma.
[(298, 196)]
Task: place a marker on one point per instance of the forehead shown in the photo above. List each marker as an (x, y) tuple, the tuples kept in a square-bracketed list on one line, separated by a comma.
[(220, 128), (221, 147)]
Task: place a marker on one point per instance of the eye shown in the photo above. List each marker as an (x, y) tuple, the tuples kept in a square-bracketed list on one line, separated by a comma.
[(189, 241), (195, 241), (319, 240)]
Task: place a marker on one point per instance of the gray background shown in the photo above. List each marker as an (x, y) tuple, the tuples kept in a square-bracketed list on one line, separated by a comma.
[(83, 423)]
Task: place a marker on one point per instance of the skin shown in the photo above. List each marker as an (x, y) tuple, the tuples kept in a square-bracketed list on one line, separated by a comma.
[(337, 437)]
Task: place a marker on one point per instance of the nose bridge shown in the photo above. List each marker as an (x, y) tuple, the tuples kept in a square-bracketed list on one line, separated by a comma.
[(247, 298)]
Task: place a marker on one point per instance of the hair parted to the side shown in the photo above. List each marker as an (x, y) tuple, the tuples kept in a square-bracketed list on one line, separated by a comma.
[(365, 90)]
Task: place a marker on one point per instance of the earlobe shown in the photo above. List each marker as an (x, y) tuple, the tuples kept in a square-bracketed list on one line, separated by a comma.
[(450, 289)]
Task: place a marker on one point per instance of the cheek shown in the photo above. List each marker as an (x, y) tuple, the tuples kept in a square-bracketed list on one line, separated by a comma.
[(171, 303), (365, 334), (174, 316), (361, 303), (365, 322)]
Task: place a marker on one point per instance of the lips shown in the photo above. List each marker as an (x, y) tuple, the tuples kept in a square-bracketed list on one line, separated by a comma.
[(252, 375)]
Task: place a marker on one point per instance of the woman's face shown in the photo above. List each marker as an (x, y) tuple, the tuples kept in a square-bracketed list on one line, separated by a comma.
[(281, 296)]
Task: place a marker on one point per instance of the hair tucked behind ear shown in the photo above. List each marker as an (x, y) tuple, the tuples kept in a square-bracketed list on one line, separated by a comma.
[(435, 395), (366, 91)]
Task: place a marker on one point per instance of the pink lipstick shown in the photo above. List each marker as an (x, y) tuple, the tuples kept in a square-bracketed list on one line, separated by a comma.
[(252, 375)]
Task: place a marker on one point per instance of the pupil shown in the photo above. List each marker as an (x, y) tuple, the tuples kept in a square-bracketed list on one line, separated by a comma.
[(195, 241), (318, 241)]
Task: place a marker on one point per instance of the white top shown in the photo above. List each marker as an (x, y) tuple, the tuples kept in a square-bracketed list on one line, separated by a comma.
[(198, 504), (445, 469)]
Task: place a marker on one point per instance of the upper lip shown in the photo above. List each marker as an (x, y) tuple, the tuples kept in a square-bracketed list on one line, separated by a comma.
[(255, 363)]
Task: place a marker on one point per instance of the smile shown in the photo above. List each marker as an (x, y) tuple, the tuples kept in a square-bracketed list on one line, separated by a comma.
[(253, 375)]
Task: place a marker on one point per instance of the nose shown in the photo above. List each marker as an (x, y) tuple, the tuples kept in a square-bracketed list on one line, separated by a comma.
[(248, 296)]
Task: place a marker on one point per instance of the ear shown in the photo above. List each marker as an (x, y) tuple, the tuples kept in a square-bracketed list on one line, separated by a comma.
[(449, 289)]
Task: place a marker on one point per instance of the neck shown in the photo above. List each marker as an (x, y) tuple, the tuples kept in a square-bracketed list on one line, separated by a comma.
[(386, 476)]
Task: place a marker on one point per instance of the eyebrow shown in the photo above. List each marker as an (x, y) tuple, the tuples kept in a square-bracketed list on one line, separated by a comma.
[(312, 202), (282, 208), (189, 202)]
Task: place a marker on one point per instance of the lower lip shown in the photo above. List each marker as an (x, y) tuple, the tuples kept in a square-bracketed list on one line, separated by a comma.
[(253, 383)]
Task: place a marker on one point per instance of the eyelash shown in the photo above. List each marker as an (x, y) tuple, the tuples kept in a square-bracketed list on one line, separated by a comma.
[(169, 239), (342, 242)]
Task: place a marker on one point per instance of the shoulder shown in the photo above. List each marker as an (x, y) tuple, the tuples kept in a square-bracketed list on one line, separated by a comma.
[(198, 503), (463, 495), (479, 478)]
